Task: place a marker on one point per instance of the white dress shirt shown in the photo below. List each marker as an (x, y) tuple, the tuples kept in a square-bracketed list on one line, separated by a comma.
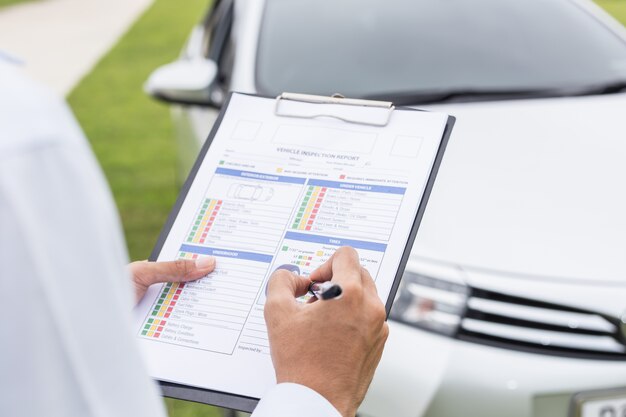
[(67, 346)]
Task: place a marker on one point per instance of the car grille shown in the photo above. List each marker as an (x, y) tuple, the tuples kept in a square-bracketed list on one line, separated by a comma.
[(519, 323)]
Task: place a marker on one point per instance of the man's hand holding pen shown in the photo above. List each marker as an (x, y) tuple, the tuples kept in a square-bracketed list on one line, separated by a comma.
[(332, 347)]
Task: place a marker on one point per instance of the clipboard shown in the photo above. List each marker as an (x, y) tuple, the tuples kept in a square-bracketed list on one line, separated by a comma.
[(385, 111)]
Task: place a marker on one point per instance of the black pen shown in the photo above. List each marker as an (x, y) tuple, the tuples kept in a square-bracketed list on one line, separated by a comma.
[(325, 290)]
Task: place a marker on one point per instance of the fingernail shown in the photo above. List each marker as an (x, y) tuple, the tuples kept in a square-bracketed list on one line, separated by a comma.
[(205, 262)]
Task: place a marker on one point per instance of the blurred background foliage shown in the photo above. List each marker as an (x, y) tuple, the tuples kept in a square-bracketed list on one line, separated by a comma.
[(616, 7), (10, 2), (132, 135)]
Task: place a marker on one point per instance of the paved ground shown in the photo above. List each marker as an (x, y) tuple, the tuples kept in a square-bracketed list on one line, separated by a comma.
[(61, 40)]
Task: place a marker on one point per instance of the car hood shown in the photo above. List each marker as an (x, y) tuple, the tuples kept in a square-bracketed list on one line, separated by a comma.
[(533, 188)]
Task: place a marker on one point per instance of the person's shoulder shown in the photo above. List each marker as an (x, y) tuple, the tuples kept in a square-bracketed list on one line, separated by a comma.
[(31, 115)]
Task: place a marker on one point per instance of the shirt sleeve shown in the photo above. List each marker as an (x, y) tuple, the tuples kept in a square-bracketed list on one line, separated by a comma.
[(294, 400)]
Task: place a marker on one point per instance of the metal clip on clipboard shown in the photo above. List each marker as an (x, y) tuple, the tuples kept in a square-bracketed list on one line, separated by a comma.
[(334, 99)]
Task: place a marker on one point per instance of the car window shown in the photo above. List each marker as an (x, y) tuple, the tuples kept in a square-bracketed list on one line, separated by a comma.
[(216, 23), (226, 65), (217, 43), (372, 47)]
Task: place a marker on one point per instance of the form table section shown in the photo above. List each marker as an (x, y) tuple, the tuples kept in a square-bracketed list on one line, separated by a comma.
[(304, 253), (348, 209), (209, 313), (244, 210)]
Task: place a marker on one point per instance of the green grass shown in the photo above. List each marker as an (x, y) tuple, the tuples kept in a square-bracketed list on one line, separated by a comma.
[(4, 3), (616, 7), (132, 135), (176, 408)]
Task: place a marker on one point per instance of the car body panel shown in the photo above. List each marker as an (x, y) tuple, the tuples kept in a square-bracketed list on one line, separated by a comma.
[(533, 187), (457, 378), (248, 17)]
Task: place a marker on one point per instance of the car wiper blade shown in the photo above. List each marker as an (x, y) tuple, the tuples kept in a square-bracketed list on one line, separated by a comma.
[(437, 96), (441, 96), (599, 89)]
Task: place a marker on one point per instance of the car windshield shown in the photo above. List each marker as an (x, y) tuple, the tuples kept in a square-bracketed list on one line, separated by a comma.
[(382, 49)]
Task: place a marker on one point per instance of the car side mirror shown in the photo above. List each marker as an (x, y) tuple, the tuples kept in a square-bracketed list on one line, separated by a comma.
[(183, 82)]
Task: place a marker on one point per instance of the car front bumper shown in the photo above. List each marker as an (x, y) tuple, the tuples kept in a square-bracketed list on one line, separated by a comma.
[(426, 375)]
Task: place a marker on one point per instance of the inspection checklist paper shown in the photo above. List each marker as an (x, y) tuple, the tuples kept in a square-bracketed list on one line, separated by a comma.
[(273, 190)]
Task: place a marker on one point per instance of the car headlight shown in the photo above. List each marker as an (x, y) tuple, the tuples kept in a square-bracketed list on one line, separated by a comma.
[(430, 303)]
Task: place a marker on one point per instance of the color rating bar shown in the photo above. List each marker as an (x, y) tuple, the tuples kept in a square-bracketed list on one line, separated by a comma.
[(309, 208), (153, 328), (303, 260), (187, 255), (206, 216), (167, 300)]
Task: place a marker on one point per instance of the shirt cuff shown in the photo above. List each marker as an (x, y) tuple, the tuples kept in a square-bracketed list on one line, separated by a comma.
[(294, 400)]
